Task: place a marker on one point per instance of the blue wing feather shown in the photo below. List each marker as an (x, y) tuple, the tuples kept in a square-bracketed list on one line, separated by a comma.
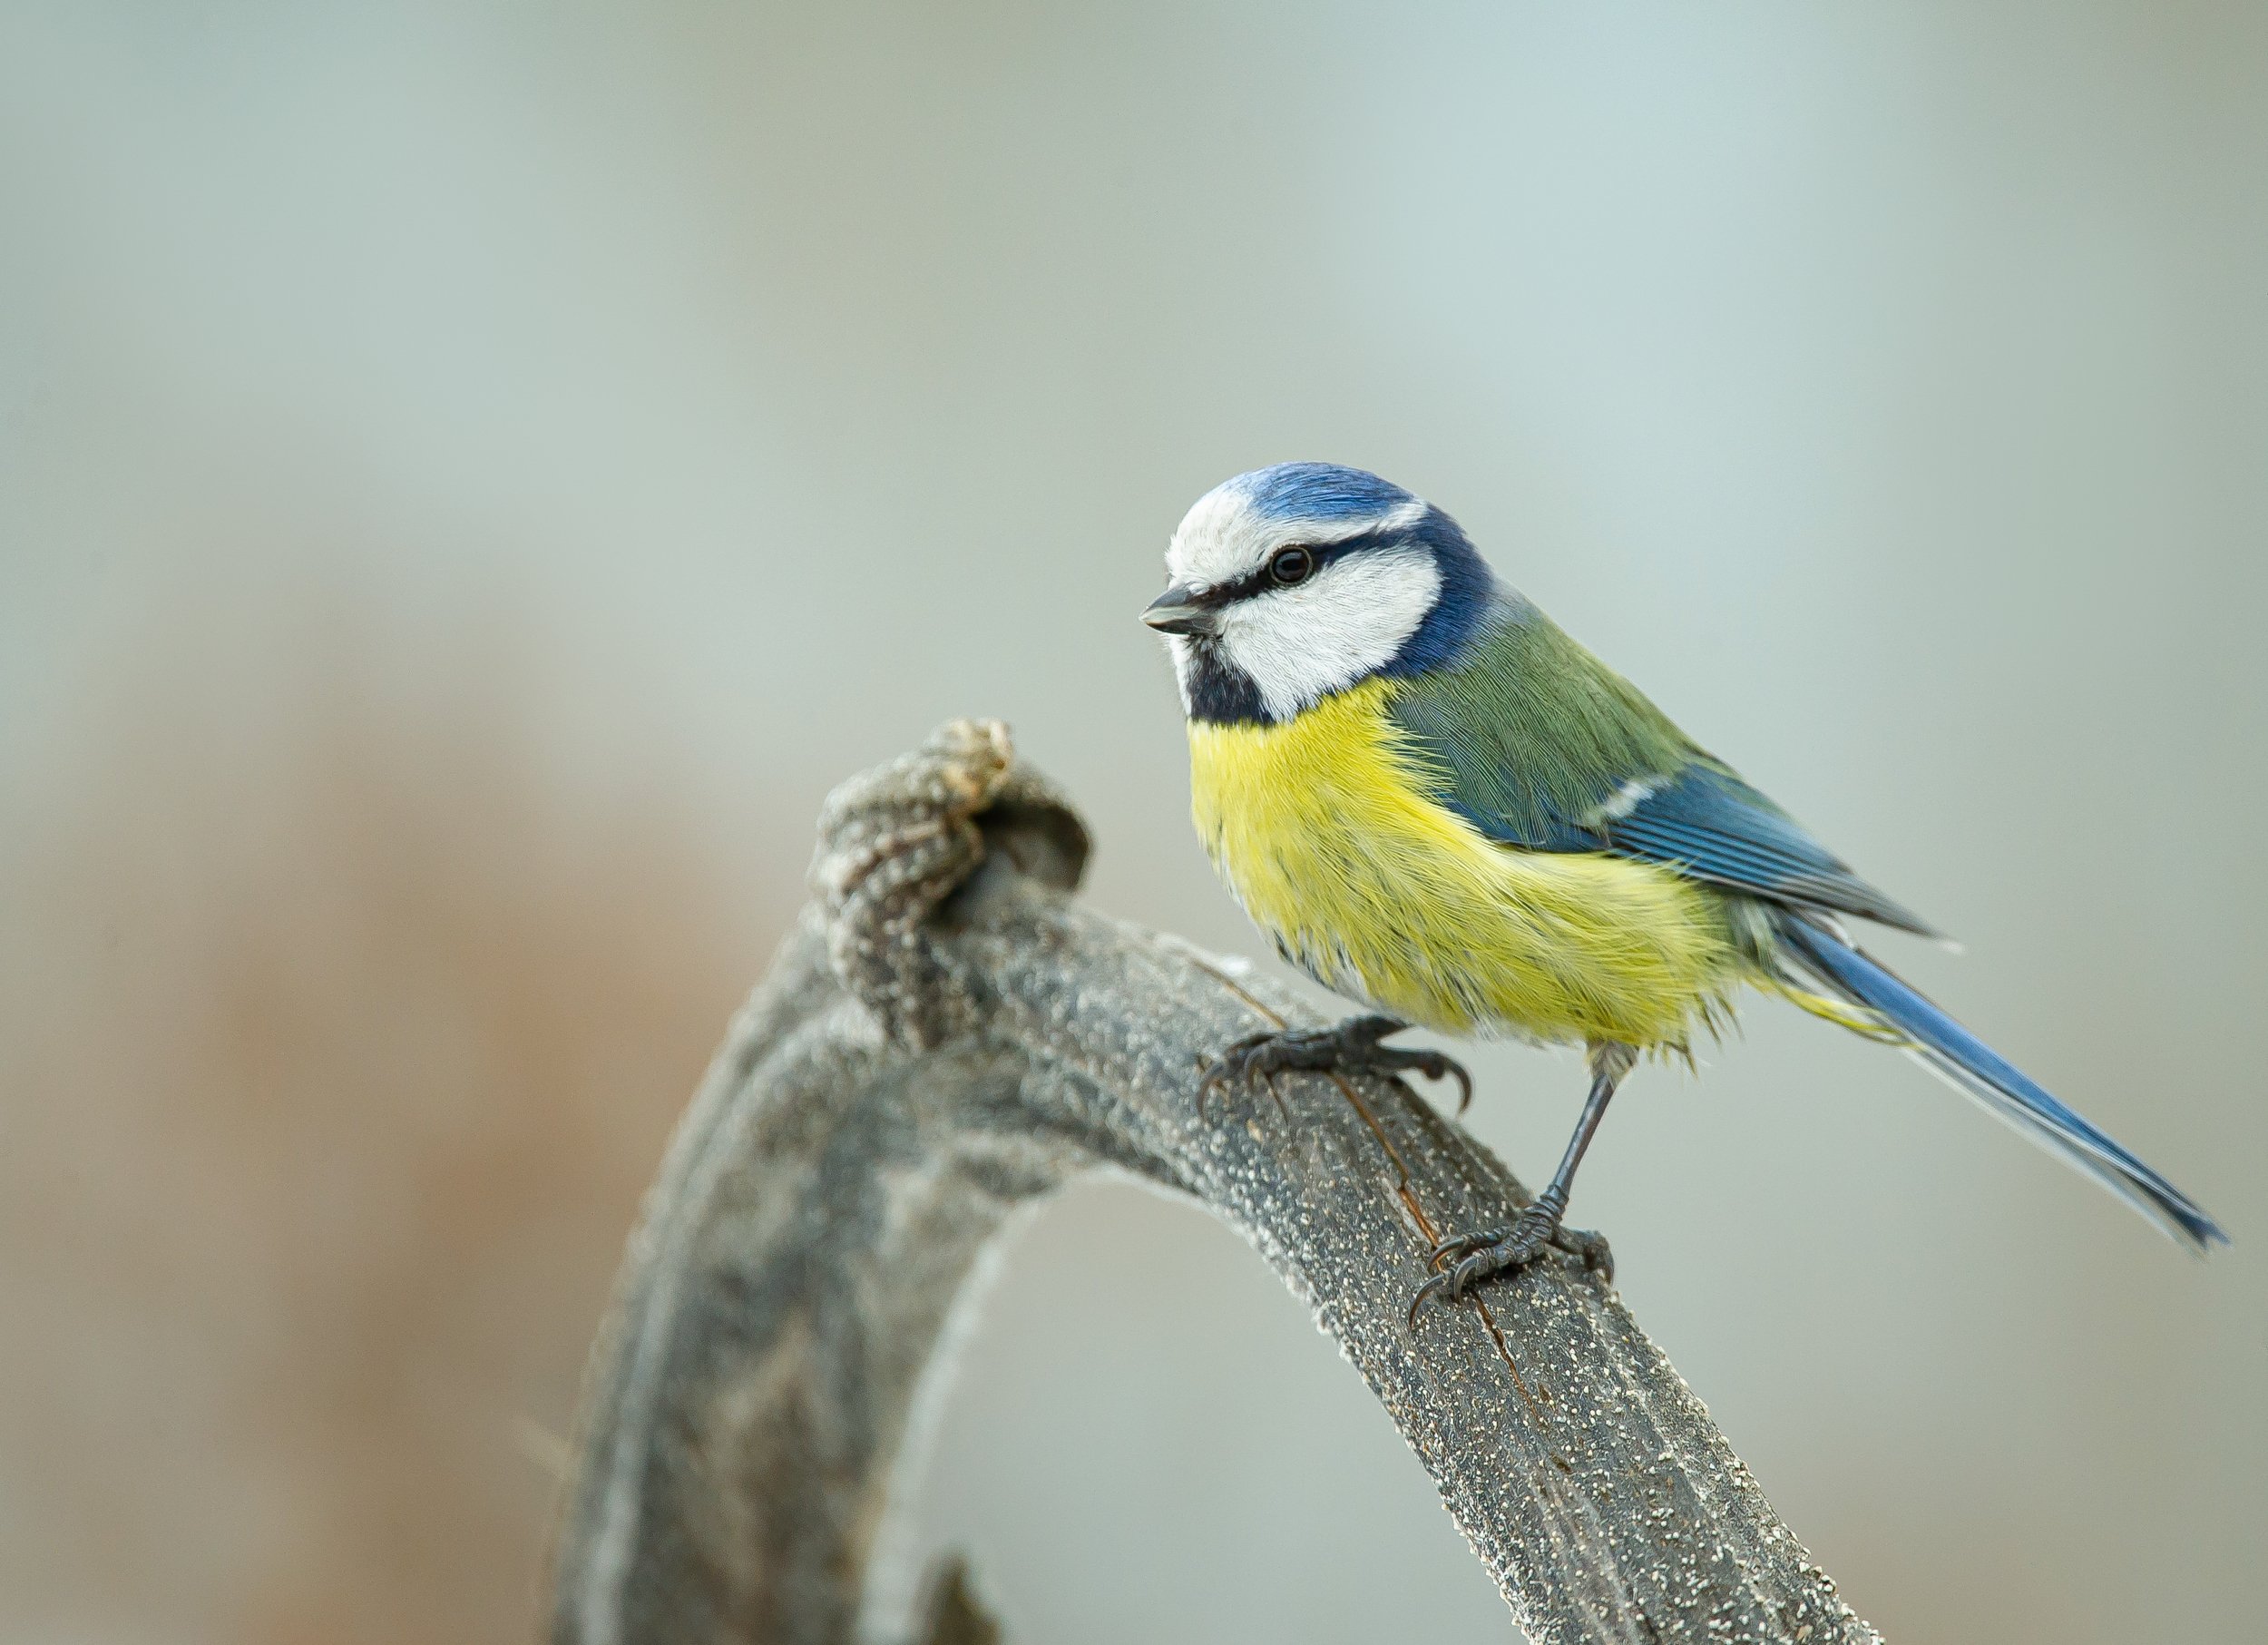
[(1708, 823)]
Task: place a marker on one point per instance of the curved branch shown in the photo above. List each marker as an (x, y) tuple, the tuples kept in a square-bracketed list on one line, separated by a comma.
[(947, 1035)]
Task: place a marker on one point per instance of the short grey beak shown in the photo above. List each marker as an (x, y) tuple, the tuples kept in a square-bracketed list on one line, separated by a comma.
[(1181, 610)]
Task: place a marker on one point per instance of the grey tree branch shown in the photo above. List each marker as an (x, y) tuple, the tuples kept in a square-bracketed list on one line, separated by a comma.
[(947, 1035)]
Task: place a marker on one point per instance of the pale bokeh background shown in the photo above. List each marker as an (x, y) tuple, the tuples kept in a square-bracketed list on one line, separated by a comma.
[(472, 477)]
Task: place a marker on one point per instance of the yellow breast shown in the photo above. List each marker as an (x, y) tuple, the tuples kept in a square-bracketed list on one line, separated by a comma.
[(1322, 829)]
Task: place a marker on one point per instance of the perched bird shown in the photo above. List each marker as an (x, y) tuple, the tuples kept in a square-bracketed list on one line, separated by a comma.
[(1440, 806)]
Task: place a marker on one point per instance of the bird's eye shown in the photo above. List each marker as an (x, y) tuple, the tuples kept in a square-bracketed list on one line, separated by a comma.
[(1292, 565)]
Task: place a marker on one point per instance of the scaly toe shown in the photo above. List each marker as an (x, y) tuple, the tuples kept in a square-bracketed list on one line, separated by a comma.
[(1464, 1245), (1590, 1248), (1389, 1062), (1469, 1273), (1480, 1258)]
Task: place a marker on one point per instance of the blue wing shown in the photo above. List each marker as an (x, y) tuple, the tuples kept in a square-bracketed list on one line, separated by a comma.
[(1707, 823), (1541, 747)]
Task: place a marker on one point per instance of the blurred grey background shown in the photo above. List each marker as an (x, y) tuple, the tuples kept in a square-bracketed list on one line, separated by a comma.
[(472, 477)]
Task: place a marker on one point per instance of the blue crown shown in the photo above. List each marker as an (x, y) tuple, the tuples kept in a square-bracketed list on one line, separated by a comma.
[(1317, 491)]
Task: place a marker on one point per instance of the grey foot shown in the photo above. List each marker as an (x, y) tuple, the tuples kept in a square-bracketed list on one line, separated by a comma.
[(1474, 1257), (1352, 1047)]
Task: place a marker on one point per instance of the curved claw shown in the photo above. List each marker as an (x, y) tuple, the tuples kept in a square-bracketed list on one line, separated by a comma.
[(1464, 1245), (1434, 1065), (1350, 1048), (1489, 1259), (1234, 1063), (1482, 1256), (1457, 1281), (1388, 1061), (1437, 1283)]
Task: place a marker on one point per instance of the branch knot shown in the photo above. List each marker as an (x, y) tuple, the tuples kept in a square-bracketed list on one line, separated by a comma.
[(897, 841)]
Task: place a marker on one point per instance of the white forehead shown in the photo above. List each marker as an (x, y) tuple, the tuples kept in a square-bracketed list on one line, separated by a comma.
[(1226, 536)]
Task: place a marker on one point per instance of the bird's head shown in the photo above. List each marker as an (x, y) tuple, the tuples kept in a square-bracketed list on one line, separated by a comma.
[(1293, 582)]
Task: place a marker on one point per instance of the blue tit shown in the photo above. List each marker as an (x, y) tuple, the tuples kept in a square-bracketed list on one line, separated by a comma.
[(1438, 805)]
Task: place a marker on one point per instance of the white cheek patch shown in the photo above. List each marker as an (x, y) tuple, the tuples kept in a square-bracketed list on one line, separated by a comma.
[(1341, 625)]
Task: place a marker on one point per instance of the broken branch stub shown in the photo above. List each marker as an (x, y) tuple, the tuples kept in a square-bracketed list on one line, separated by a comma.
[(948, 1035)]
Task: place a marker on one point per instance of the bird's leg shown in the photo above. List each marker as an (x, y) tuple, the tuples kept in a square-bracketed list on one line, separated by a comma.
[(1351, 1047), (1476, 1257)]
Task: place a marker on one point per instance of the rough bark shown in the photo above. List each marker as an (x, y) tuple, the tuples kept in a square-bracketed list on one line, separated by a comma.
[(947, 1035)]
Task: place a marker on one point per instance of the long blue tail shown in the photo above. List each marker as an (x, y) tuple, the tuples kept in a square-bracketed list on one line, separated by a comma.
[(1963, 1060)]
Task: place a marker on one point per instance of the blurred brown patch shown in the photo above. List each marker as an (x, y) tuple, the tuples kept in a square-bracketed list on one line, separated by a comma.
[(339, 1031)]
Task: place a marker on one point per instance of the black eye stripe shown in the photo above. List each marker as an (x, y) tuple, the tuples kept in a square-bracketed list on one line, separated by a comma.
[(1321, 555)]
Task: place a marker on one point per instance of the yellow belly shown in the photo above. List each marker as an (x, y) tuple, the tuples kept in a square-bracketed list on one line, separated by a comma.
[(1322, 831)]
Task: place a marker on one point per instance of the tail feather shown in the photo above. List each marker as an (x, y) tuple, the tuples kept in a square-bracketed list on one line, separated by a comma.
[(1967, 1062)]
